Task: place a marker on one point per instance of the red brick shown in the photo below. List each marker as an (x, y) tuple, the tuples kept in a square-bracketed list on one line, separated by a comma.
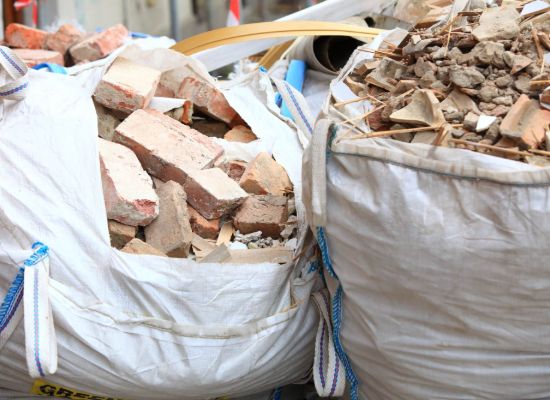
[(100, 44), (526, 123), (241, 134), (267, 214), (233, 169), (127, 86), (137, 246), (183, 114), (207, 99), (264, 175), (35, 57), (127, 189), (120, 234), (171, 232), (65, 37), (24, 37), (205, 228), (166, 148), (212, 193)]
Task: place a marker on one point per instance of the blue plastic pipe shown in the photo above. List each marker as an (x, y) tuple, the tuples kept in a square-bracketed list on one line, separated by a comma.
[(295, 76)]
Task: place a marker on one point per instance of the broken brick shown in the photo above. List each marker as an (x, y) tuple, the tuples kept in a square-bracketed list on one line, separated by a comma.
[(127, 189), (99, 45), (137, 246), (183, 114), (205, 228), (264, 175), (166, 148), (234, 169), (240, 134), (267, 214), (120, 234), (127, 86), (65, 37), (24, 37), (106, 122), (526, 123), (35, 57), (212, 193), (171, 232), (208, 99)]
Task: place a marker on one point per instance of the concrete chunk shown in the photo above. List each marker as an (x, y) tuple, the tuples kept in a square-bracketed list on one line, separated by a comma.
[(24, 37), (127, 189), (100, 45), (212, 193), (264, 175), (498, 23), (127, 86), (166, 148), (171, 232), (262, 213)]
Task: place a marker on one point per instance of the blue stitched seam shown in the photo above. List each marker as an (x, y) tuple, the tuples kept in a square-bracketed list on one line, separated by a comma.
[(302, 115), (15, 90), (12, 62)]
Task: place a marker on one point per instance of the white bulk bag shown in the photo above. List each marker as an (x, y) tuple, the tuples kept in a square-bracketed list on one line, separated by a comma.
[(438, 264), (131, 326)]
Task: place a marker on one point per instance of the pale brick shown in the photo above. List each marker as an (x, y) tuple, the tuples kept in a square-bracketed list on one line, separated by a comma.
[(166, 148), (106, 122), (127, 189), (241, 134), (526, 123), (205, 228), (24, 37), (65, 37), (267, 214), (264, 175), (212, 193), (120, 234), (171, 231), (35, 57), (127, 86), (100, 44), (137, 246), (207, 99)]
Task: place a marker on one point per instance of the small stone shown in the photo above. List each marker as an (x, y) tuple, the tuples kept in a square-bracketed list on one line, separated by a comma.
[(212, 193), (171, 231), (454, 53), (24, 37), (137, 246), (422, 67), (120, 234), (503, 100), (520, 62), (263, 175), (504, 81), (488, 93), (127, 86), (267, 214), (99, 45), (460, 102), (523, 84), (466, 77), (240, 134), (499, 111), (470, 121), (487, 53)]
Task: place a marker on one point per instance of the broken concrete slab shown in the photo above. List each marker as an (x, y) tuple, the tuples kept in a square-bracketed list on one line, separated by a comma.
[(212, 193), (526, 123), (263, 175), (262, 213), (127, 189), (166, 148), (127, 86), (498, 23), (171, 231), (424, 109)]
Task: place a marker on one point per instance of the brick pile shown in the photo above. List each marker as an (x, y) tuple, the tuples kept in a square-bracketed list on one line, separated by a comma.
[(477, 82), (169, 188), (67, 46)]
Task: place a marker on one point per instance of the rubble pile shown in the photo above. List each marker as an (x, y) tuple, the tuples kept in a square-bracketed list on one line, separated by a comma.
[(168, 187), (479, 81), (67, 46)]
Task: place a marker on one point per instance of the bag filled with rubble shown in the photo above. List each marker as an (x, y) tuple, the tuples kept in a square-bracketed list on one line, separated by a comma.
[(166, 258), (427, 182)]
